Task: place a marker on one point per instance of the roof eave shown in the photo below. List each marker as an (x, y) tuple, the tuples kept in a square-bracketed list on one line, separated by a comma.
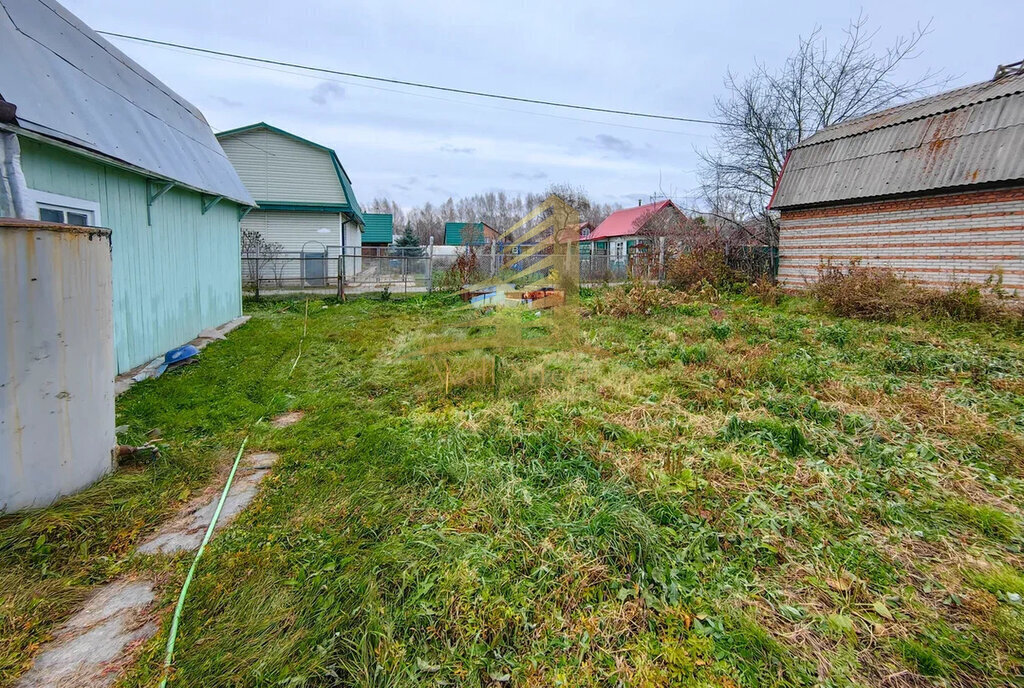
[(922, 193), (80, 149)]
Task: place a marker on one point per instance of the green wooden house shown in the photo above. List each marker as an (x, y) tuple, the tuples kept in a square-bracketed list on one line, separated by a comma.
[(97, 140), (468, 233)]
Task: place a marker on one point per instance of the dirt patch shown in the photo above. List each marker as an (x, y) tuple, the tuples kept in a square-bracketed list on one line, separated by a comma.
[(185, 531), (286, 419), (93, 647)]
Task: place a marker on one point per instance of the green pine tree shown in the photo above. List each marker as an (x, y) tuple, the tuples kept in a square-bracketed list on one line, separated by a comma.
[(408, 239)]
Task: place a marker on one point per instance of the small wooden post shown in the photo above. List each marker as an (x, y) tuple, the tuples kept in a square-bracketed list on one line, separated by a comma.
[(494, 373)]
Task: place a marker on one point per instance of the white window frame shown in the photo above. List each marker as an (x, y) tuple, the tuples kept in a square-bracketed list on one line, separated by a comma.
[(45, 199)]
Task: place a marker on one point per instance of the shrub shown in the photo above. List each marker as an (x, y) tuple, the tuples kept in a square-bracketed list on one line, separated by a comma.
[(464, 270), (765, 291), (720, 331), (881, 294), (637, 298), (865, 292), (702, 263)]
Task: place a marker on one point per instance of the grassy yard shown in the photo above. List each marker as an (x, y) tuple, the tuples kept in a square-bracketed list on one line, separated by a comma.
[(749, 495)]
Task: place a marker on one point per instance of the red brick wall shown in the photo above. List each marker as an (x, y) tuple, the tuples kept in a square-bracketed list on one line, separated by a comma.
[(938, 240)]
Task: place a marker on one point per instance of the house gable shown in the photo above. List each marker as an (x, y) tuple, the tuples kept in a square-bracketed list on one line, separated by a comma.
[(280, 168)]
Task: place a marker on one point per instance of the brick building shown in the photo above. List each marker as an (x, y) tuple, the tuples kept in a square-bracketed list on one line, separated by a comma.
[(933, 189)]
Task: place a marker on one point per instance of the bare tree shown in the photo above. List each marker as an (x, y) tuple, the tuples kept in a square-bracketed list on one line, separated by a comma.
[(259, 256), (498, 209), (767, 112), (577, 196), (383, 204)]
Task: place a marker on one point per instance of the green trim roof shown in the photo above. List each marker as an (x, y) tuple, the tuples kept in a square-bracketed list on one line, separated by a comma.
[(379, 228), (352, 207), (464, 233)]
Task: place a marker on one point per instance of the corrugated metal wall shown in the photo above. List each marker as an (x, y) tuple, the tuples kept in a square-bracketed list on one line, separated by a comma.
[(56, 362), (172, 279), (275, 167)]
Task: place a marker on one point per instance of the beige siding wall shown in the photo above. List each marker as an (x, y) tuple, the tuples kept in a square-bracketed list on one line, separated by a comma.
[(938, 240), (295, 230), (292, 229), (275, 167)]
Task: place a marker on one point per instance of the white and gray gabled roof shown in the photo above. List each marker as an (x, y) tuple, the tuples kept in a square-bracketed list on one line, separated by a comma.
[(71, 85)]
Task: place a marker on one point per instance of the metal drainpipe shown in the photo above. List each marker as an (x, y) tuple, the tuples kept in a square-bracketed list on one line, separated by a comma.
[(341, 261), (14, 198)]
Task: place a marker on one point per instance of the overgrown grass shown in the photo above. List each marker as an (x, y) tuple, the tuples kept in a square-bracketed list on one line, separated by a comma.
[(883, 294), (709, 492)]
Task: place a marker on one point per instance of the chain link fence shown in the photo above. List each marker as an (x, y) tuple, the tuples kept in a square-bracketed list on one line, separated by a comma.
[(362, 269), (388, 269)]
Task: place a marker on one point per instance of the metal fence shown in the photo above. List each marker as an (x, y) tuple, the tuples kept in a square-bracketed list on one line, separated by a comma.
[(352, 270), (336, 270), (391, 269)]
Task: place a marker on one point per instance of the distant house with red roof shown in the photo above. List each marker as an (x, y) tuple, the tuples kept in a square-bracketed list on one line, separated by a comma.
[(624, 231)]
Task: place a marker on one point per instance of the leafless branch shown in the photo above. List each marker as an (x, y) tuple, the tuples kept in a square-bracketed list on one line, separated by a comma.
[(770, 110)]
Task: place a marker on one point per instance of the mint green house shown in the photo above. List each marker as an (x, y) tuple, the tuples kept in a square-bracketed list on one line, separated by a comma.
[(104, 143)]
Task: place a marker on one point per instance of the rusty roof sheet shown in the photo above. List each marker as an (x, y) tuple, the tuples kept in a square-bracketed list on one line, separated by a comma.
[(72, 85), (972, 135)]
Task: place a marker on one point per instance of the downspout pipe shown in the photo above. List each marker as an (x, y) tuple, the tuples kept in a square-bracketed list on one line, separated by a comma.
[(341, 259), (14, 198)]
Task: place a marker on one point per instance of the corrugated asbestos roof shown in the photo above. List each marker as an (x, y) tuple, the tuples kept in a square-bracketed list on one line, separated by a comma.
[(72, 85), (969, 136), (379, 228)]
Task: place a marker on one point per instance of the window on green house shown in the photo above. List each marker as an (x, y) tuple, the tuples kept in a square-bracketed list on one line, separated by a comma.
[(65, 216)]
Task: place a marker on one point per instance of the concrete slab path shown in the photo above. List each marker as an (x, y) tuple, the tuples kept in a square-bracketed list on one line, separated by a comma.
[(185, 531), (93, 647)]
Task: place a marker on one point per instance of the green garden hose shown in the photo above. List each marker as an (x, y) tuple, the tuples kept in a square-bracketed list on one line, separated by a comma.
[(192, 569), (169, 657)]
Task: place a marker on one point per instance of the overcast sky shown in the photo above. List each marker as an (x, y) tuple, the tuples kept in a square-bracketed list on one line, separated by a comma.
[(665, 57)]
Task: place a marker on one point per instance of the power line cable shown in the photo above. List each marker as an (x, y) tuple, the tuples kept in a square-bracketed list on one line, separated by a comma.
[(416, 84), (349, 82)]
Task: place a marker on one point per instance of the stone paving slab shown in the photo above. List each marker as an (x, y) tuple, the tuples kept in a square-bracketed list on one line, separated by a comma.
[(185, 531), (95, 645), (286, 419)]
